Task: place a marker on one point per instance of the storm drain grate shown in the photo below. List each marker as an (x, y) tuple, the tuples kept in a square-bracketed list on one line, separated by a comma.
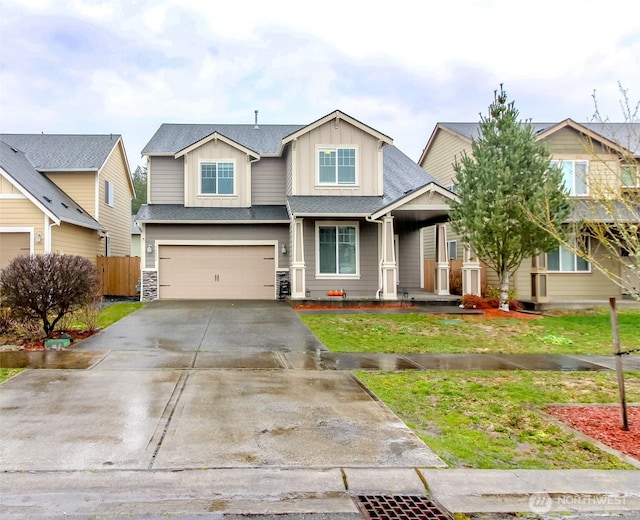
[(402, 507)]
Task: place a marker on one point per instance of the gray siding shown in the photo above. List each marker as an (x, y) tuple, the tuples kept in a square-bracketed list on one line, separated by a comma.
[(236, 232), (166, 180), (408, 259), (366, 286), (268, 184)]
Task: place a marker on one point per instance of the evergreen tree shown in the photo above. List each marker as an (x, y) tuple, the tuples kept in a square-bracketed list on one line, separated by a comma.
[(507, 175), (140, 187)]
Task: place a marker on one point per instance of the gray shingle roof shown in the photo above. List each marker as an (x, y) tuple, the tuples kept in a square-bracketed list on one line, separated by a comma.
[(265, 140), (333, 205), (16, 164), (624, 134), (177, 212), (48, 152)]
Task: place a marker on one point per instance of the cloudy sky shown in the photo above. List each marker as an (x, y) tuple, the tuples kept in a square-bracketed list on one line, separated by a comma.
[(125, 67)]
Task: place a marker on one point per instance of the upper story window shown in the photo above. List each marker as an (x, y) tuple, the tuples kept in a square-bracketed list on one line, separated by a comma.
[(337, 166), (108, 193), (629, 177), (217, 178), (574, 174)]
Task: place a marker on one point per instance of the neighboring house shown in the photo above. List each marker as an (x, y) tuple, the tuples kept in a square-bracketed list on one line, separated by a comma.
[(256, 211), (135, 237), (64, 194), (581, 150)]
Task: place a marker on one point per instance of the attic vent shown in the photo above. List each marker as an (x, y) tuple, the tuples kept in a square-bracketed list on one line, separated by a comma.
[(79, 210), (15, 150), (46, 198), (65, 205)]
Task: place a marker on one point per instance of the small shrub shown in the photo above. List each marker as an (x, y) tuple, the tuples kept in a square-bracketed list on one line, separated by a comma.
[(47, 287), (455, 280), (471, 301)]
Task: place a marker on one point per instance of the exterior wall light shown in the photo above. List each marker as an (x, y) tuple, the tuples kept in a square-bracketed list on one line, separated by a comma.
[(149, 248), (38, 238), (283, 249)]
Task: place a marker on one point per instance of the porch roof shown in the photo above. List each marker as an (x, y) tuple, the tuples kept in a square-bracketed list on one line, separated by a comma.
[(177, 213)]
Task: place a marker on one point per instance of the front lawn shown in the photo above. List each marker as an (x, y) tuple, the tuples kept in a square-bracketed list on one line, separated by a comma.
[(587, 332), (493, 420)]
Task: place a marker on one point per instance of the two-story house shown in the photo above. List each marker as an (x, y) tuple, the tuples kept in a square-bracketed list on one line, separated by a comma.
[(243, 211), (64, 194), (594, 158)]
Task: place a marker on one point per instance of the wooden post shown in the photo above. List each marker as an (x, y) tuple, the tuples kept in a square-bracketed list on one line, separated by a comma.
[(618, 356)]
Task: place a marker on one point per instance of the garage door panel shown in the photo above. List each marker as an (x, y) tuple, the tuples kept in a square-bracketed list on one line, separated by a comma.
[(12, 245), (216, 272)]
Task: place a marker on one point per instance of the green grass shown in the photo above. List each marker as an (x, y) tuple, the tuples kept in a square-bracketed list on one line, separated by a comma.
[(6, 373), (493, 420), (587, 332), (117, 311)]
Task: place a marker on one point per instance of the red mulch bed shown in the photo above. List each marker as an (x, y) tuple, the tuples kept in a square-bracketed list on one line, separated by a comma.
[(603, 423), (76, 335), (497, 313)]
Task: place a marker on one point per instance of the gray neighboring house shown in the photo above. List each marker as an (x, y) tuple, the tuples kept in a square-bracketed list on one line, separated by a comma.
[(256, 211)]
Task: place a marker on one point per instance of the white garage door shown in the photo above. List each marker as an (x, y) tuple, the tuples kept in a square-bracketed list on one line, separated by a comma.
[(12, 245), (242, 272)]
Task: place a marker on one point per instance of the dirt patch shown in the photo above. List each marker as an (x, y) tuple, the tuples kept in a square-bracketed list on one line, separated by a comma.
[(603, 423), (497, 313)]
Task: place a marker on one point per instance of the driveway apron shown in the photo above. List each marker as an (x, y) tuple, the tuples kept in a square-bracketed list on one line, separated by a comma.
[(167, 394)]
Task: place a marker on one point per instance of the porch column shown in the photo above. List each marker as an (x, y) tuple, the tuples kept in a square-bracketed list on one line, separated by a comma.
[(471, 272), (388, 265), (297, 261), (539, 278), (442, 261)]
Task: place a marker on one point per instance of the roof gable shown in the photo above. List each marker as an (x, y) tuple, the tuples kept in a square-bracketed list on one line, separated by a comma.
[(213, 137), (41, 191), (338, 115)]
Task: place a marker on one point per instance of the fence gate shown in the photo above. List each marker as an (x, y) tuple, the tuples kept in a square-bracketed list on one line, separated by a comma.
[(118, 275)]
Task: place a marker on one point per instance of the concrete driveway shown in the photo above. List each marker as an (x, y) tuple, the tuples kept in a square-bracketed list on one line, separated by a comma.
[(164, 395)]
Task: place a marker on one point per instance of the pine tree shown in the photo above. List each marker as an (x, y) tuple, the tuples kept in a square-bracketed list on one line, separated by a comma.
[(506, 175)]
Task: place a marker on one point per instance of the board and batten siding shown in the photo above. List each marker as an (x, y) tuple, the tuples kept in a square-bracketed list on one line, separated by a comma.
[(368, 155), (568, 140), (166, 180), (7, 187), (368, 283), (116, 219), (440, 158), (80, 186), (268, 184), (409, 261), (218, 150), (75, 240), (232, 232)]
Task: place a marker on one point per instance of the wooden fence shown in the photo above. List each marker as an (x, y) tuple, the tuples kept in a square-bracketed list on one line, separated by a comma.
[(118, 275)]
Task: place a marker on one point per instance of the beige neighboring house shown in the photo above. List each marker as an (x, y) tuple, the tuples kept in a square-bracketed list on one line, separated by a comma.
[(64, 194), (135, 237), (253, 211), (581, 150)]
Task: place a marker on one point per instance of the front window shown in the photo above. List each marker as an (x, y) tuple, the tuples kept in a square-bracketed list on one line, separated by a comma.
[(217, 178), (629, 177), (564, 261), (574, 175), (337, 249), (337, 165), (108, 193)]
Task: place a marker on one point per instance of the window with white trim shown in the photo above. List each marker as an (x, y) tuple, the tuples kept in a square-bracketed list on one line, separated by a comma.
[(574, 175), (108, 193), (217, 178), (337, 166), (629, 177), (337, 249), (452, 246), (564, 261)]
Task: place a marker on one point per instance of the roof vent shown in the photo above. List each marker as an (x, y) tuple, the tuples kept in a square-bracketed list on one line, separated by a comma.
[(256, 127), (65, 205), (46, 198)]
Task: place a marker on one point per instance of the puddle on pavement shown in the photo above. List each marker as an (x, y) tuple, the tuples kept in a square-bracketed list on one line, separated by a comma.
[(62, 359)]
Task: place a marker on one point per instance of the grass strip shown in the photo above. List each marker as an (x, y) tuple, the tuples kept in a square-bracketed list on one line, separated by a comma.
[(493, 420)]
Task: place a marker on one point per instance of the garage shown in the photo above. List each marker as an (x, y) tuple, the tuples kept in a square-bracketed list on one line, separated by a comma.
[(217, 272), (12, 245)]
